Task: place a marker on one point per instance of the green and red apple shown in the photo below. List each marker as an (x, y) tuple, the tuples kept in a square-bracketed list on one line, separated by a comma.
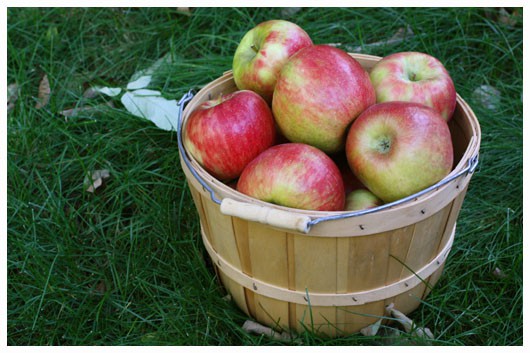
[(415, 77), (361, 199), (399, 148), (263, 51), (294, 175), (226, 133), (320, 91)]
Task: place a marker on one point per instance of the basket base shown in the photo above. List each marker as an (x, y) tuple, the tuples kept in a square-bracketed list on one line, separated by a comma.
[(247, 291)]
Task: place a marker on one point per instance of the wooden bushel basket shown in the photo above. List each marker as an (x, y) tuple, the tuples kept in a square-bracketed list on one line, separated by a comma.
[(330, 272)]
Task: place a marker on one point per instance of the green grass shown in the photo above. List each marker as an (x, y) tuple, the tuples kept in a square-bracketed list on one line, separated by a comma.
[(126, 266)]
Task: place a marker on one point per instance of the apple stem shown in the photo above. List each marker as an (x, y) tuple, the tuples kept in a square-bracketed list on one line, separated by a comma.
[(255, 48)]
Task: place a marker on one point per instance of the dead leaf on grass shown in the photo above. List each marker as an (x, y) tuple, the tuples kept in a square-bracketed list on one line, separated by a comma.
[(101, 287), (12, 96), (408, 325), (488, 96), (508, 18), (73, 112), (44, 93), (498, 273), (184, 10), (95, 179), (259, 329), (401, 35)]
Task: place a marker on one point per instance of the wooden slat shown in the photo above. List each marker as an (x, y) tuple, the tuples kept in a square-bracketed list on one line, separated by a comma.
[(423, 248), (236, 291), (221, 233), (268, 256), (315, 270)]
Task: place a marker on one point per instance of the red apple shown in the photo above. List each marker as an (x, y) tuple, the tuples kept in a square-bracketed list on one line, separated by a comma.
[(361, 199), (294, 175), (262, 53), (226, 133), (399, 148), (415, 77), (320, 91)]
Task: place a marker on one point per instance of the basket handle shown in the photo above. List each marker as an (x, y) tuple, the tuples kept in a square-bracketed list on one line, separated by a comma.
[(265, 215)]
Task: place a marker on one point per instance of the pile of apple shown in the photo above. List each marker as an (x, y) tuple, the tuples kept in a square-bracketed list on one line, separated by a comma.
[(310, 128)]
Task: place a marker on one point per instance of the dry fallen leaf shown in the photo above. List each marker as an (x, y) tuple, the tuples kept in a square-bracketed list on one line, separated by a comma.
[(488, 96), (255, 328), (372, 329), (401, 35), (184, 10), (498, 273), (101, 287), (68, 113), (95, 179), (12, 96), (91, 92), (44, 93), (408, 325), (289, 11), (508, 18)]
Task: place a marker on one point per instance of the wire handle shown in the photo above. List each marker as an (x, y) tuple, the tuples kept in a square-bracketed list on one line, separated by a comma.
[(290, 220)]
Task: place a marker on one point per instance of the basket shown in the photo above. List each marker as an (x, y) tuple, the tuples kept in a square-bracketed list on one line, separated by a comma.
[(333, 273)]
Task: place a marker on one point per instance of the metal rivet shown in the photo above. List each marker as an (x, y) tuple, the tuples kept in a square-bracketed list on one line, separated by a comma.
[(458, 186), (305, 298), (406, 284), (422, 211), (361, 226), (354, 299), (254, 286)]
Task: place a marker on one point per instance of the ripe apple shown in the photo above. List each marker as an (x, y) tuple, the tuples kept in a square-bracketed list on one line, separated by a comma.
[(226, 133), (320, 91), (361, 199), (262, 53), (415, 77), (294, 175), (399, 148)]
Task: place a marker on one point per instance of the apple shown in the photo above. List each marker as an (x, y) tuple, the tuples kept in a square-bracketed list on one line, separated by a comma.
[(320, 91), (294, 175), (263, 51), (361, 199), (399, 148), (415, 77), (226, 133)]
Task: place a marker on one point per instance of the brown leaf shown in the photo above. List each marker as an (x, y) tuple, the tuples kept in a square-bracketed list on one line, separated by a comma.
[(498, 273), (259, 329), (508, 18), (184, 10), (90, 92), (95, 179), (401, 35), (68, 113), (12, 96), (44, 93), (101, 287)]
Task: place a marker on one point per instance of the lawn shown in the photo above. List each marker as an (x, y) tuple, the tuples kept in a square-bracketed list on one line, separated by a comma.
[(125, 265)]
